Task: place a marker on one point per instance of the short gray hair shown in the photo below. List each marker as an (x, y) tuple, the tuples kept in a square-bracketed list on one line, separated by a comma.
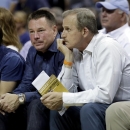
[(85, 18), (121, 12)]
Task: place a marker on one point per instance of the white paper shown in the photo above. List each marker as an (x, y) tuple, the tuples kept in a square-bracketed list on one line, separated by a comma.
[(40, 80)]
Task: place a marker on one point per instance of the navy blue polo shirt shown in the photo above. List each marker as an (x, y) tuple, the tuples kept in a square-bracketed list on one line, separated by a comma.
[(50, 61), (12, 65)]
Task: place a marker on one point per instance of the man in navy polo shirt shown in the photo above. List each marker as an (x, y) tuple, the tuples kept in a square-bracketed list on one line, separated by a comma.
[(43, 55)]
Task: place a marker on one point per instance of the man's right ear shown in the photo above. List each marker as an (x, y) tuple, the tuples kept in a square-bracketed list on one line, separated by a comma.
[(55, 29), (85, 31)]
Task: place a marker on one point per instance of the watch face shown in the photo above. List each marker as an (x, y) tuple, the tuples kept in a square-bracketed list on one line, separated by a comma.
[(21, 98)]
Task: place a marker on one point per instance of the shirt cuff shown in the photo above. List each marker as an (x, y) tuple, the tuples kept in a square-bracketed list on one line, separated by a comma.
[(74, 99), (68, 99), (29, 96), (67, 72)]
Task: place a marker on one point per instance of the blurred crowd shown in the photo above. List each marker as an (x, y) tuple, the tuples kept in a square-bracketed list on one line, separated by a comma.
[(21, 9)]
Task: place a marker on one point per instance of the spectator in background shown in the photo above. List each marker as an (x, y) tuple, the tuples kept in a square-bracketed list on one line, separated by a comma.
[(63, 4), (7, 24), (42, 56), (31, 5), (20, 18), (82, 3), (114, 20), (57, 11), (9, 4), (90, 4)]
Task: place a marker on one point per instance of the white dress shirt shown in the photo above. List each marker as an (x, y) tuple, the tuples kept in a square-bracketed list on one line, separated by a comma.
[(102, 71), (122, 35)]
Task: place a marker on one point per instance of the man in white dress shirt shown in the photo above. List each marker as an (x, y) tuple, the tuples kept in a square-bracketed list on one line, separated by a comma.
[(96, 72), (96, 65), (114, 20)]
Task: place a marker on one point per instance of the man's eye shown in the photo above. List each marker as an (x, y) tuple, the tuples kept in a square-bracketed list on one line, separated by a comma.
[(68, 29), (31, 32), (40, 30), (108, 11)]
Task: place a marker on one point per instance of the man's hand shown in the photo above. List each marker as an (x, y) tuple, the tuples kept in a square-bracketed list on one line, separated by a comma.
[(52, 100), (68, 53), (9, 102)]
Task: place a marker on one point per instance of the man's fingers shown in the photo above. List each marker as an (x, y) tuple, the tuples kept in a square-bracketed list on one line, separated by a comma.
[(45, 96), (59, 44)]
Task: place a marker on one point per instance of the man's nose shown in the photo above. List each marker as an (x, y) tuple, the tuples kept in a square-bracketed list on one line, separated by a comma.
[(104, 12), (36, 35), (63, 34)]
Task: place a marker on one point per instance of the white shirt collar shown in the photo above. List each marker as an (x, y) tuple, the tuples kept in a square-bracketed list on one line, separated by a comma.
[(115, 33)]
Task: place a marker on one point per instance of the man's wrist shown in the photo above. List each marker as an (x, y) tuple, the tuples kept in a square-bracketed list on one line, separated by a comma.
[(68, 64), (21, 98)]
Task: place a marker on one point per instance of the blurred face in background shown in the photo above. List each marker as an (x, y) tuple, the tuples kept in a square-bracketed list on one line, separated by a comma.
[(42, 33), (20, 18), (111, 19)]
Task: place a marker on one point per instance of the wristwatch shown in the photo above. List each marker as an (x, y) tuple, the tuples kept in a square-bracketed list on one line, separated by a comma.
[(21, 98)]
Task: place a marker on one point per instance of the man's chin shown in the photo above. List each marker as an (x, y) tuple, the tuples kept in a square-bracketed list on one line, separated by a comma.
[(40, 49), (69, 47), (104, 25)]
